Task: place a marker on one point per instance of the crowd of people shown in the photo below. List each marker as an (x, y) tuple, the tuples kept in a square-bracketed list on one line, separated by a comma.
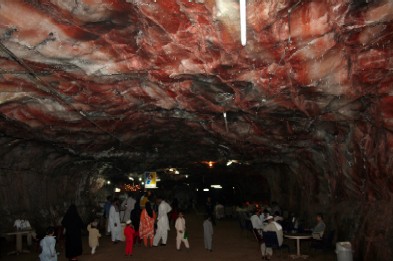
[(146, 220)]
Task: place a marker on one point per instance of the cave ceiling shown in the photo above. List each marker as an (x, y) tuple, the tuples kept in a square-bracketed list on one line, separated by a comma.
[(170, 81)]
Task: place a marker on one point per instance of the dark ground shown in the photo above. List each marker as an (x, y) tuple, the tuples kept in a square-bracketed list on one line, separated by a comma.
[(229, 243)]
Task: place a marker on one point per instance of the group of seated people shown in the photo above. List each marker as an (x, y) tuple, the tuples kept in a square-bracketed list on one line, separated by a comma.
[(262, 221)]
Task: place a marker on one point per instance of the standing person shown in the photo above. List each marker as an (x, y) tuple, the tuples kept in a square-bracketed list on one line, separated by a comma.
[(208, 233), (73, 226), (48, 244), (162, 222), (210, 209), (146, 225), (135, 220), (107, 208), (114, 221), (129, 205), (94, 236), (181, 234), (129, 234)]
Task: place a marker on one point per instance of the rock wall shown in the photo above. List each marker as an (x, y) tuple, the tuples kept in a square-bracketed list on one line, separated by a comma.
[(348, 177), (38, 183)]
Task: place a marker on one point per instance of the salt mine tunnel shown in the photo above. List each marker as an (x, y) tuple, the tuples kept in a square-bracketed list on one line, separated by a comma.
[(300, 100)]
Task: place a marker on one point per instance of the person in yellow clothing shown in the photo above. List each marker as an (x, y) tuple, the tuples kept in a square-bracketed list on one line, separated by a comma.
[(94, 236), (145, 198)]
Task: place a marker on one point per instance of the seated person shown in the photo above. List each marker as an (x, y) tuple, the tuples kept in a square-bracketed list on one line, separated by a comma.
[(272, 225), (277, 217), (265, 215), (318, 230), (256, 221)]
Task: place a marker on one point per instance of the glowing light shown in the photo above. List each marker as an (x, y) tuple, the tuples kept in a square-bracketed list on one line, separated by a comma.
[(108, 182), (206, 189), (131, 188), (140, 179), (171, 169), (232, 161), (243, 25), (177, 172), (211, 164), (143, 183), (197, 189), (117, 190), (186, 176), (216, 186), (131, 178)]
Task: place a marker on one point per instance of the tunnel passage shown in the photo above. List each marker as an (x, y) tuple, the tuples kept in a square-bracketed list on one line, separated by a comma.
[(93, 91)]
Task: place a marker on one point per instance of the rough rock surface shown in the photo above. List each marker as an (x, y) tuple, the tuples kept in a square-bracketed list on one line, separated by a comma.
[(148, 82)]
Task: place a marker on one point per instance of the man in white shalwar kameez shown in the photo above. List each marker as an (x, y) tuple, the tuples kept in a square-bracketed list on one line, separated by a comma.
[(114, 222), (128, 205), (208, 233), (162, 223), (180, 226)]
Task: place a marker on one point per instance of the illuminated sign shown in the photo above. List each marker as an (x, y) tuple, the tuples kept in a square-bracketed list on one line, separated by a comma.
[(150, 179)]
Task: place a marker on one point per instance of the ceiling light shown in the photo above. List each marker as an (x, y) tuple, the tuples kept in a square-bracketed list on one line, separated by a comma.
[(216, 186), (108, 182), (205, 189), (243, 25)]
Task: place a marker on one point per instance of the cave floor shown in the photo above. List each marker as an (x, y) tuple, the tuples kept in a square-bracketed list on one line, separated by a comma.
[(229, 243)]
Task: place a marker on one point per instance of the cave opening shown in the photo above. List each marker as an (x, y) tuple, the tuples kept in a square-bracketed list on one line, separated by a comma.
[(95, 95)]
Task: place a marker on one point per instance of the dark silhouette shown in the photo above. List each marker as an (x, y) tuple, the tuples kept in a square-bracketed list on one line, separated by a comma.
[(73, 225)]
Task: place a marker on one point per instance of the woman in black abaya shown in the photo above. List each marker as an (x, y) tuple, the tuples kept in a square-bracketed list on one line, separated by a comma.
[(73, 233)]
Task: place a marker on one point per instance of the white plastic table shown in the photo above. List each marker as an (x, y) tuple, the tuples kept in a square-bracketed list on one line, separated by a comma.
[(298, 237), (19, 234)]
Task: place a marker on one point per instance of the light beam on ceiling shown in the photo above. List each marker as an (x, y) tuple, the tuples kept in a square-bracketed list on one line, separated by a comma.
[(243, 25)]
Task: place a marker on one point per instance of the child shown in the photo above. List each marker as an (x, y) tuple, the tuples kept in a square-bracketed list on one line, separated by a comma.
[(208, 233), (181, 236), (48, 246), (94, 236), (129, 234)]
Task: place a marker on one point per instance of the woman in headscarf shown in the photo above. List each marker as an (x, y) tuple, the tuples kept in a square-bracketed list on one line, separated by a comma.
[(73, 225), (135, 220), (146, 225)]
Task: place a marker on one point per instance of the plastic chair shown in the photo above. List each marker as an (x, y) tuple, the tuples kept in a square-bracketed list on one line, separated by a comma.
[(325, 242), (257, 236)]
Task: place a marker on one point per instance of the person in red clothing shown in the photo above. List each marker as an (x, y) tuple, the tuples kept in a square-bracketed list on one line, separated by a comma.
[(129, 234)]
